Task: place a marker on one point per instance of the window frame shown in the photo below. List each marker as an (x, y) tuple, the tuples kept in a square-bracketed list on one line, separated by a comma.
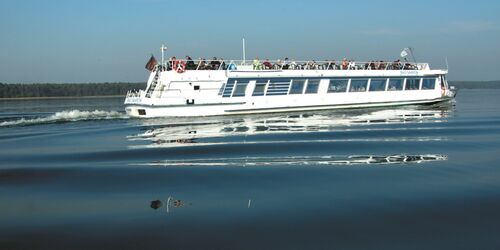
[(413, 78), (332, 80), (303, 81), (360, 79), (263, 84), (402, 84), (378, 90), (221, 90), (278, 81), (428, 78), (318, 81), (236, 87)]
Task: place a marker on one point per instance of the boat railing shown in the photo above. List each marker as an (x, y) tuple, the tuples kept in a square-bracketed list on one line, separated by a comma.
[(134, 93), (296, 65)]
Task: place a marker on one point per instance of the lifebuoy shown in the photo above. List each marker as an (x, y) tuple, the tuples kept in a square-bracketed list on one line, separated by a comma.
[(179, 66)]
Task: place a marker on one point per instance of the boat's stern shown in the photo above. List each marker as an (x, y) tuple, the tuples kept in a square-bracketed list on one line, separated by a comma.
[(447, 91), (134, 102), (134, 111), (451, 92)]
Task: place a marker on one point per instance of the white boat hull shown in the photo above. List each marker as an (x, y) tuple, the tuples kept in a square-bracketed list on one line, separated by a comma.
[(240, 109)]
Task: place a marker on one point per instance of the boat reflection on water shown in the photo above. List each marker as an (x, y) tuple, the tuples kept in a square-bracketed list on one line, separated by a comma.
[(285, 128), (328, 160), (174, 132)]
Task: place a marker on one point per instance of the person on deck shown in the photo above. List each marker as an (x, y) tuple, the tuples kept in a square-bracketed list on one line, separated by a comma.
[(223, 64), (256, 64), (286, 63), (190, 63), (352, 65), (170, 63), (201, 64), (267, 64), (396, 65), (372, 65), (334, 65), (345, 63), (382, 65), (215, 63)]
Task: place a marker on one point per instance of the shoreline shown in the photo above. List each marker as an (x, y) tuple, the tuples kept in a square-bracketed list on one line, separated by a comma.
[(59, 97)]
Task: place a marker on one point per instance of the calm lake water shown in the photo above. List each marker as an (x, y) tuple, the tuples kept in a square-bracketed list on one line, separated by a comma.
[(79, 174)]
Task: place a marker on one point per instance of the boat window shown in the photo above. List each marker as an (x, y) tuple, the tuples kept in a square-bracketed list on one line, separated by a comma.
[(312, 86), (228, 88), (278, 87), (412, 84), (395, 84), (338, 85), (240, 89), (221, 90), (429, 83), (297, 86), (358, 85), (377, 84), (259, 89)]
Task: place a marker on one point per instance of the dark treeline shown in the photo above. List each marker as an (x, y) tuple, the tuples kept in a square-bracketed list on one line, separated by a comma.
[(66, 89), (108, 89), (475, 85)]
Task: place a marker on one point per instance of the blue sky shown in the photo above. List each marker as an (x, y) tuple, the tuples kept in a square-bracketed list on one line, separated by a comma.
[(110, 41)]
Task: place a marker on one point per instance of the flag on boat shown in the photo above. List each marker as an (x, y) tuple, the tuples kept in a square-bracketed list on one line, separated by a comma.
[(404, 53), (151, 63)]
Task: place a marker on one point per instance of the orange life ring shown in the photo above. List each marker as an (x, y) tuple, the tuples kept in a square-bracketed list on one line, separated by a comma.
[(179, 66)]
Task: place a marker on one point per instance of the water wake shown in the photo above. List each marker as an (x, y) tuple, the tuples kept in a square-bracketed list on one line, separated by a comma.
[(305, 160), (66, 116)]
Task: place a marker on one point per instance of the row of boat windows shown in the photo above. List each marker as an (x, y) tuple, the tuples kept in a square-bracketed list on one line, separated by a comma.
[(237, 88)]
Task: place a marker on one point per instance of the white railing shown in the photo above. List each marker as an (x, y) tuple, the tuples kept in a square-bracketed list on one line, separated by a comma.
[(220, 64), (134, 93)]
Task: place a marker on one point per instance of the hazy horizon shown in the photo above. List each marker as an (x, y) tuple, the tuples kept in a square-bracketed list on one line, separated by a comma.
[(110, 41)]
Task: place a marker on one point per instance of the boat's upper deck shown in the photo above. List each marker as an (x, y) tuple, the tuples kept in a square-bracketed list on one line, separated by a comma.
[(258, 65)]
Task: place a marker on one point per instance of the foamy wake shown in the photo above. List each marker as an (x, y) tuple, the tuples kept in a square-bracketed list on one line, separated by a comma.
[(326, 160), (66, 116)]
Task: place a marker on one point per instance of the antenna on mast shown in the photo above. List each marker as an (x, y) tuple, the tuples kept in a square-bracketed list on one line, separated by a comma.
[(413, 56), (446, 60), (244, 51)]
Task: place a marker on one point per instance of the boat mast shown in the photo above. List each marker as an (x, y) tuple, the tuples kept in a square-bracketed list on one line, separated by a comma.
[(413, 56), (163, 48)]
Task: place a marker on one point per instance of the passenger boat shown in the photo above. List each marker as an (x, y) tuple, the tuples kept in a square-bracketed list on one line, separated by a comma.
[(183, 88)]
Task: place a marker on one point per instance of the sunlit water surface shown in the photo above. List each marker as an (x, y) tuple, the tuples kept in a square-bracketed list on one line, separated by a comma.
[(79, 174)]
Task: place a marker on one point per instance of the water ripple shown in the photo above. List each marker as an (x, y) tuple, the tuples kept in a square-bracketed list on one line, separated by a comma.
[(304, 160)]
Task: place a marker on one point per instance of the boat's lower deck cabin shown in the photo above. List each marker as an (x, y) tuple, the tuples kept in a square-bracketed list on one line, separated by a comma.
[(237, 87)]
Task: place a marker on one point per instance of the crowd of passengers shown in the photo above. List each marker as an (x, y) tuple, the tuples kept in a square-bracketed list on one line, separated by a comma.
[(286, 64), (202, 64), (331, 65)]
